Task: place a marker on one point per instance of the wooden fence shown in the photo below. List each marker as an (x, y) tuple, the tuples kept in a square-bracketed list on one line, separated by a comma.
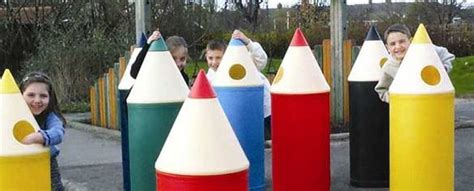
[(323, 56), (104, 95)]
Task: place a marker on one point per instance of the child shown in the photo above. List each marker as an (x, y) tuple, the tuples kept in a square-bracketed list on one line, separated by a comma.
[(397, 38), (214, 52), (178, 49), (39, 95)]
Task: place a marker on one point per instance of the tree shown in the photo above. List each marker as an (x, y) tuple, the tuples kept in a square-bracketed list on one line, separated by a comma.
[(19, 21), (78, 42), (433, 12), (192, 21), (279, 6), (250, 11)]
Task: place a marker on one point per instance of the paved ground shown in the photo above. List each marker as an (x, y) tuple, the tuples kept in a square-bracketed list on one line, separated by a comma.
[(91, 162), (90, 157), (464, 113)]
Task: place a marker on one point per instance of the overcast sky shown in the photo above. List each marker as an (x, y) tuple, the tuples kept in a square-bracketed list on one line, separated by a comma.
[(288, 3)]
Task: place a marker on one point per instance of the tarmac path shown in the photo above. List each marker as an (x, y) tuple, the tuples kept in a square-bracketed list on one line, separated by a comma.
[(90, 159)]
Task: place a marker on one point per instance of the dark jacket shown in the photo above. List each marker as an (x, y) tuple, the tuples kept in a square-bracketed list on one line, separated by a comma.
[(139, 61)]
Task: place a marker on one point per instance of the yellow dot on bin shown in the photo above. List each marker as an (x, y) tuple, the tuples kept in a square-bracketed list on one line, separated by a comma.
[(430, 75), (279, 75), (22, 129), (383, 61), (237, 72)]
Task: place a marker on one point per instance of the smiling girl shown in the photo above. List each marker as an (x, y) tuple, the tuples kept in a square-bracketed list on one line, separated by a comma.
[(40, 97)]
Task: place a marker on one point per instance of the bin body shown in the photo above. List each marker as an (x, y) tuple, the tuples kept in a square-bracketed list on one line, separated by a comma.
[(243, 107), (300, 142), (149, 126), (369, 136), (422, 142), (237, 181), (26, 172), (124, 138)]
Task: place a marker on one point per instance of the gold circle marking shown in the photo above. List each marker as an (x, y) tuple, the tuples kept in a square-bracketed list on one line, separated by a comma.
[(430, 75), (22, 129), (237, 72)]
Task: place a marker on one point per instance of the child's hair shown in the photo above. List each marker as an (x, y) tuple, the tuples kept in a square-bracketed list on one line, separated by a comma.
[(401, 28), (216, 45), (39, 77), (174, 42)]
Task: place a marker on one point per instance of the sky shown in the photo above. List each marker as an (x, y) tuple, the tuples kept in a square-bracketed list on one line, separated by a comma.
[(289, 3)]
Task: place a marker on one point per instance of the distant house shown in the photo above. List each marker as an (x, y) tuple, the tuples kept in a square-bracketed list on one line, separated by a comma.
[(26, 15), (25, 11), (378, 10)]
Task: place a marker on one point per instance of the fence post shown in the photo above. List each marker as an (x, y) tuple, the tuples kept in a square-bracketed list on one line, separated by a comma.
[(117, 78), (97, 103), (111, 98), (102, 104), (347, 62), (338, 34), (106, 100), (92, 105), (327, 61), (122, 65), (318, 53)]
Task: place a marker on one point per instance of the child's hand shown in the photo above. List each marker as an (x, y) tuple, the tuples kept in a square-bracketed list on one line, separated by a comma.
[(240, 35), (33, 138), (155, 36)]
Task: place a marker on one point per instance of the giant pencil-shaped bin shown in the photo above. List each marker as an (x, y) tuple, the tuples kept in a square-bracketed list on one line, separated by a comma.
[(240, 92), (421, 121), (154, 101), (22, 167), (368, 124), (124, 87), (202, 152), (300, 121)]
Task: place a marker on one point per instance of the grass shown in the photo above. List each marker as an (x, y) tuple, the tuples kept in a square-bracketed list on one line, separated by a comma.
[(273, 67), (75, 107), (462, 76), (193, 67)]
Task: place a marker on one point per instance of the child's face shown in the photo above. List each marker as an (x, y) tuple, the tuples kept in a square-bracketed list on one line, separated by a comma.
[(213, 58), (180, 55), (397, 44), (36, 96)]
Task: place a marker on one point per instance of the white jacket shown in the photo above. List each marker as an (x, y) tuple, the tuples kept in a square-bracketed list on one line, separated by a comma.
[(390, 69)]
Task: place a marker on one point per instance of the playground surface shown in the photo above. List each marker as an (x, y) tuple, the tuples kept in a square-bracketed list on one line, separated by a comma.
[(90, 156)]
